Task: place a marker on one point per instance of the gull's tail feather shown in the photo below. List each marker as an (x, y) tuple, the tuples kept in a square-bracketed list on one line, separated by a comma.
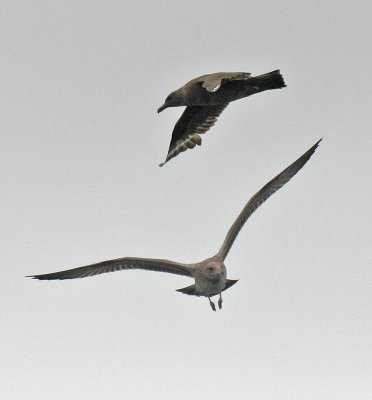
[(192, 291), (229, 283)]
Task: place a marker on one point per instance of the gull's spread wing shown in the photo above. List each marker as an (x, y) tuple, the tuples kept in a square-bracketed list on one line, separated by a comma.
[(261, 196), (118, 265)]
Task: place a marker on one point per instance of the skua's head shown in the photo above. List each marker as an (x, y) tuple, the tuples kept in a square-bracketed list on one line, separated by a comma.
[(174, 99)]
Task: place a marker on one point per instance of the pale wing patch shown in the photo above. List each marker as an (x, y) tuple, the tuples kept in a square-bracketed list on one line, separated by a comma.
[(182, 145), (213, 82), (212, 85), (194, 121)]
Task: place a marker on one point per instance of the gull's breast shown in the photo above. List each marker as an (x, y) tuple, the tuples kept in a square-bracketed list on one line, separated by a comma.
[(210, 287)]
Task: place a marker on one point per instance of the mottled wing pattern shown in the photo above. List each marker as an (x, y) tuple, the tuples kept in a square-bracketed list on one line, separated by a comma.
[(195, 120), (261, 196), (120, 264), (213, 82)]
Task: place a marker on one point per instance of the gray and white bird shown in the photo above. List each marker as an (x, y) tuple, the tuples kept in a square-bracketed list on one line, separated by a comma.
[(209, 274), (205, 98)]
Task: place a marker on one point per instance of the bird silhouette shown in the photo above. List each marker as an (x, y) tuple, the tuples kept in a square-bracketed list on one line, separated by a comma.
[(205, 98), (209, 274)]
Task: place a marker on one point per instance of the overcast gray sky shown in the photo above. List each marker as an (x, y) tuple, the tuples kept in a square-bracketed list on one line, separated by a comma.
[(80, 146)]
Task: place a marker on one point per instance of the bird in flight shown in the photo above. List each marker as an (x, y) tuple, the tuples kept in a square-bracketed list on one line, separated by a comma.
[(205, 98), (209, 274)]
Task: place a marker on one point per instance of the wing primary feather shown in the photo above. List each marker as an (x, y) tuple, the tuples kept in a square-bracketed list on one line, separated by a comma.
[(193, 121), (261, 196), (119, 264)]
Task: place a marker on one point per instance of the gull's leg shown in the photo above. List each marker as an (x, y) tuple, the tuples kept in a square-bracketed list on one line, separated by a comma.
[(220, 302), (212, 304)]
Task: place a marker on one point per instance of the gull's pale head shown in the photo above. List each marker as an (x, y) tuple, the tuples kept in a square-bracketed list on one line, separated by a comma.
[(214, 271)]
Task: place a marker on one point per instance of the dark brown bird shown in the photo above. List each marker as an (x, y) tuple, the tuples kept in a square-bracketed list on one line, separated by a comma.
[(205, 98), (209, 274)]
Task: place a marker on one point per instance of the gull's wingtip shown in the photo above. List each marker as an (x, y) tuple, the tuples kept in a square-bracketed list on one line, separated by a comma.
[(42, 277), (316, 144), (307, 155)]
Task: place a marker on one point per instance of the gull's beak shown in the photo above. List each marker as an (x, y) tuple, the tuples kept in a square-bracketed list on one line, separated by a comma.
[(163, 107)]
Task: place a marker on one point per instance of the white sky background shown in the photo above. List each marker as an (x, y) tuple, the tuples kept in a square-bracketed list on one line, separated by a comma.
[(80, 146)]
